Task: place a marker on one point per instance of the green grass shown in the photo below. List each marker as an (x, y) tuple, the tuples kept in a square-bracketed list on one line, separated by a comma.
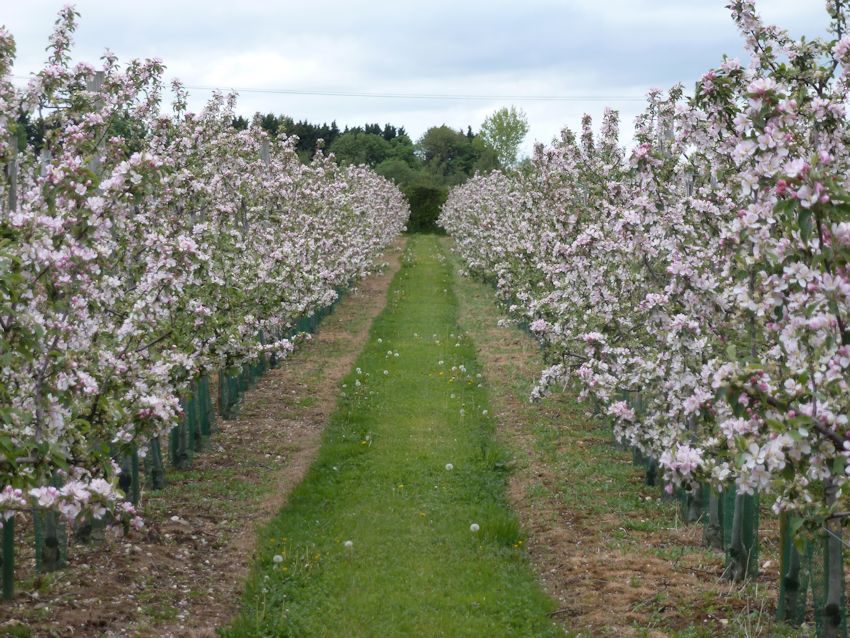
[(414, 568)]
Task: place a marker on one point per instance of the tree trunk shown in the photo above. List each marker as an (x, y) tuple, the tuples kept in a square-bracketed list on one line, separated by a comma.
[(833, 611), (743, 545), (713, 532), (790, 574)]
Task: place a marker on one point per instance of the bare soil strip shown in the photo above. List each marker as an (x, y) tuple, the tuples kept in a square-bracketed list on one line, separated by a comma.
[(184, 575)]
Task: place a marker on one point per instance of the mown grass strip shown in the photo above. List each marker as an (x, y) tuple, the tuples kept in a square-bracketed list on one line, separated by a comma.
[(378, 539)]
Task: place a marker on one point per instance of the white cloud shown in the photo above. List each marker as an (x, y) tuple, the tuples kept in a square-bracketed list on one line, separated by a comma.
[(495, 47)]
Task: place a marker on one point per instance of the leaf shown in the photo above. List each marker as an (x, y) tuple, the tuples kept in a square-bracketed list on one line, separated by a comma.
[(785, 206), (794, 525), (804, 220)]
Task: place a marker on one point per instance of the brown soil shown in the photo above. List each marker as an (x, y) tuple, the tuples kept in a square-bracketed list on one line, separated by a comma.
[(183, 576)]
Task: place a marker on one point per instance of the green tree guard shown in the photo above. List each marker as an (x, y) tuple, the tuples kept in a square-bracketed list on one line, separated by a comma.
[(51, 541), (173, 446), (205, 404), (211, 418), (261, 360), (740, 535), (617, 443), (651, 472), (234, 395), (713, 530), (51, 537), (794, 569), (596, 408), (690, 504), (193, 421), (243, 381), (8, 566), (638, 459), (185, 441), (154, 468), (223, 395), (90, 530), (136, 491), (273, 358), (181, 443), (129, 479), (303, 324), (832, 601)]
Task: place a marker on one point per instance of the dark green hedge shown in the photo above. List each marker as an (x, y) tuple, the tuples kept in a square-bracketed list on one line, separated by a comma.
[(425, 203)]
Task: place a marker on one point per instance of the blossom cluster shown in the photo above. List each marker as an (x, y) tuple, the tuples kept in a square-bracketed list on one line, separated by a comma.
[(141, 247), (696, 288)]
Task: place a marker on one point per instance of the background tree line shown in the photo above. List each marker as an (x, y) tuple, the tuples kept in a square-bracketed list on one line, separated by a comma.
[(424, 170)]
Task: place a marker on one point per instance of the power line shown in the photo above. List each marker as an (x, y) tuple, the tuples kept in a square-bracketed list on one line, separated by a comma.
[(418, 96), (434, 96)]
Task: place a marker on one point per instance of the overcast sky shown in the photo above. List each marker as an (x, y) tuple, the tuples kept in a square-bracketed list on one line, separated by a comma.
[(594, 48)]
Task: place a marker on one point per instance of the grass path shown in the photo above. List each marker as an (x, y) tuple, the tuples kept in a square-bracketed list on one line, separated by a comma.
[(377, 540)]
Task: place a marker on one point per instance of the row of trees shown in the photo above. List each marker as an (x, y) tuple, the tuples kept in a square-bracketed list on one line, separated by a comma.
[(697, 289), (141, 250)]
